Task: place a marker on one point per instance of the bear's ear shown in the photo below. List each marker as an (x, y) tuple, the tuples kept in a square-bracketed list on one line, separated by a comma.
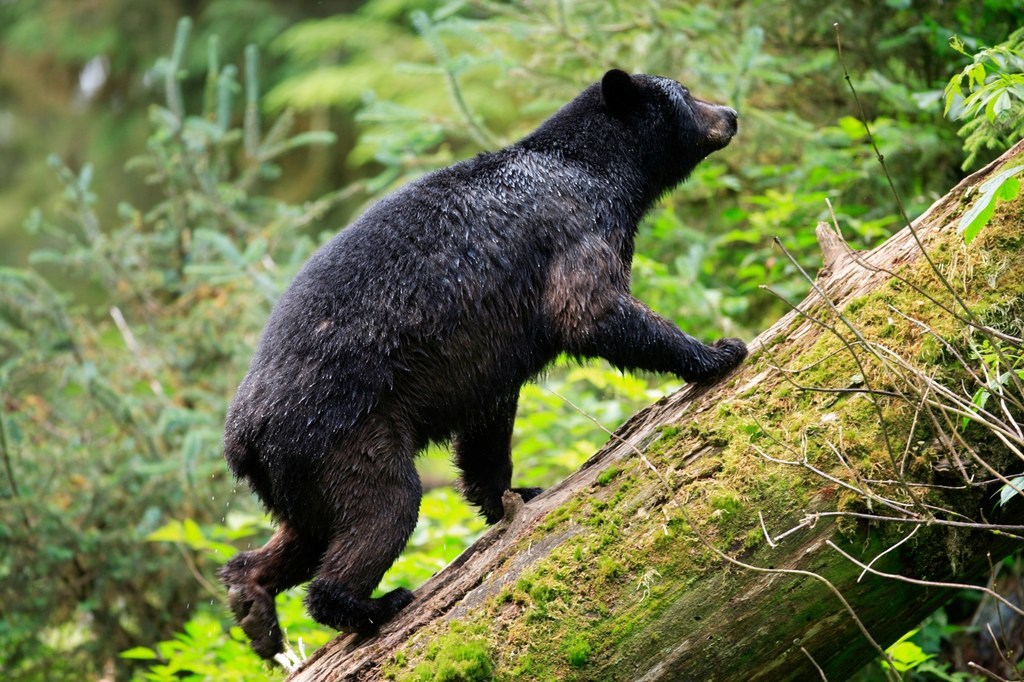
[(619, 91)]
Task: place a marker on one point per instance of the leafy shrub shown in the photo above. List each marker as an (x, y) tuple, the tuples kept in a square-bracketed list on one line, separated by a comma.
[(994, 83)]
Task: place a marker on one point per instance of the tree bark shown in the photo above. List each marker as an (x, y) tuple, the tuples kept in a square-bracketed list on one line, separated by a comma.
[(620, 572)]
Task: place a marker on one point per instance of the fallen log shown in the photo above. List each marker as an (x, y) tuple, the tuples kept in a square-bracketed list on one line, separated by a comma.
[(788, 523)]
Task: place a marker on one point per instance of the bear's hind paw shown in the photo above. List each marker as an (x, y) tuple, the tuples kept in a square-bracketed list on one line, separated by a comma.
[(334, 606), (255, 613)]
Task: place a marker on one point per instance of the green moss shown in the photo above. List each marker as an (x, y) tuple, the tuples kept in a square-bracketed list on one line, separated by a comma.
[(753, 538), (608, 475), (541, 593), (522, 667), (577, 651), (669, 432), (727, 503), (609, 568), (931, 350), (453, 657), (562, 514)]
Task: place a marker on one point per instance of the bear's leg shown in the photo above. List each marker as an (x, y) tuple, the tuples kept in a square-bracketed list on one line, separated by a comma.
[(254, 578), (483, 452), (632, 336), (375, 517)]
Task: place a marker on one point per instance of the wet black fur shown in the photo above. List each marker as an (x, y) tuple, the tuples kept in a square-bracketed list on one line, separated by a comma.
[(420, 322)]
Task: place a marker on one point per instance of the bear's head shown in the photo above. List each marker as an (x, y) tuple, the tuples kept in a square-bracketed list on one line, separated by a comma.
[(671, 128), (648, 124)]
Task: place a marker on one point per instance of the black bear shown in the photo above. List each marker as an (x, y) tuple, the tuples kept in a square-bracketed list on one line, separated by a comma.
[(421, 321)]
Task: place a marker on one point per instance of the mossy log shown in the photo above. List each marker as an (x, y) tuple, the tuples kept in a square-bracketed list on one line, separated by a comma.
[(706, 540)]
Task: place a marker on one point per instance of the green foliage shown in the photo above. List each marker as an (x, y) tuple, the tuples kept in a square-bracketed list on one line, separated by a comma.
[(215, 538), (113, 389), (994, 82), (915, 656), (1000, 381), (1003, 369), (346, 56), (201, 651), (905, 655), (1004, 186), (1010, 489), (122, 340), (209, 645)]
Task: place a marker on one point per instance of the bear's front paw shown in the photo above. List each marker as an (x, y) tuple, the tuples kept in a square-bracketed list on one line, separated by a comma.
[(527, 493), (731, 351), (725, 355)]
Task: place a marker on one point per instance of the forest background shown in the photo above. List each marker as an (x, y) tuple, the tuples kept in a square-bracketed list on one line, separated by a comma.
[(161, 181)]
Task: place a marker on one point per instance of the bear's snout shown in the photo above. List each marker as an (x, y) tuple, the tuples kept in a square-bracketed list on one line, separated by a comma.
[(721, 124)]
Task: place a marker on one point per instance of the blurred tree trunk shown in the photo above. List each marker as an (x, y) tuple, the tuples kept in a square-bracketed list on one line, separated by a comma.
[(611, 575)]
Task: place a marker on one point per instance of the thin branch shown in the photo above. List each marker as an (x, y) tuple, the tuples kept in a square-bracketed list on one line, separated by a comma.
[(136, 349), (891, 504), (764, 529), (986, 672), (814, 663), (883, 553), (197, 574), (930, 583), (929, 522)]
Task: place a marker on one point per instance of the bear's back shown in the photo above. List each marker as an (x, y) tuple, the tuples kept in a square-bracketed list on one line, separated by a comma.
[(431, 298)]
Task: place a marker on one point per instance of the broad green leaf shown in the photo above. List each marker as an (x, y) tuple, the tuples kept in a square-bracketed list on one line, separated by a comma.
[(1003, 185), (222, 550), (139, 653), (1009, 190), (976, 74), (997, 180), (997, 103), (1007, 492), (852, 127), (905, 654), (977, 217), (193, 534), (171, 532)]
